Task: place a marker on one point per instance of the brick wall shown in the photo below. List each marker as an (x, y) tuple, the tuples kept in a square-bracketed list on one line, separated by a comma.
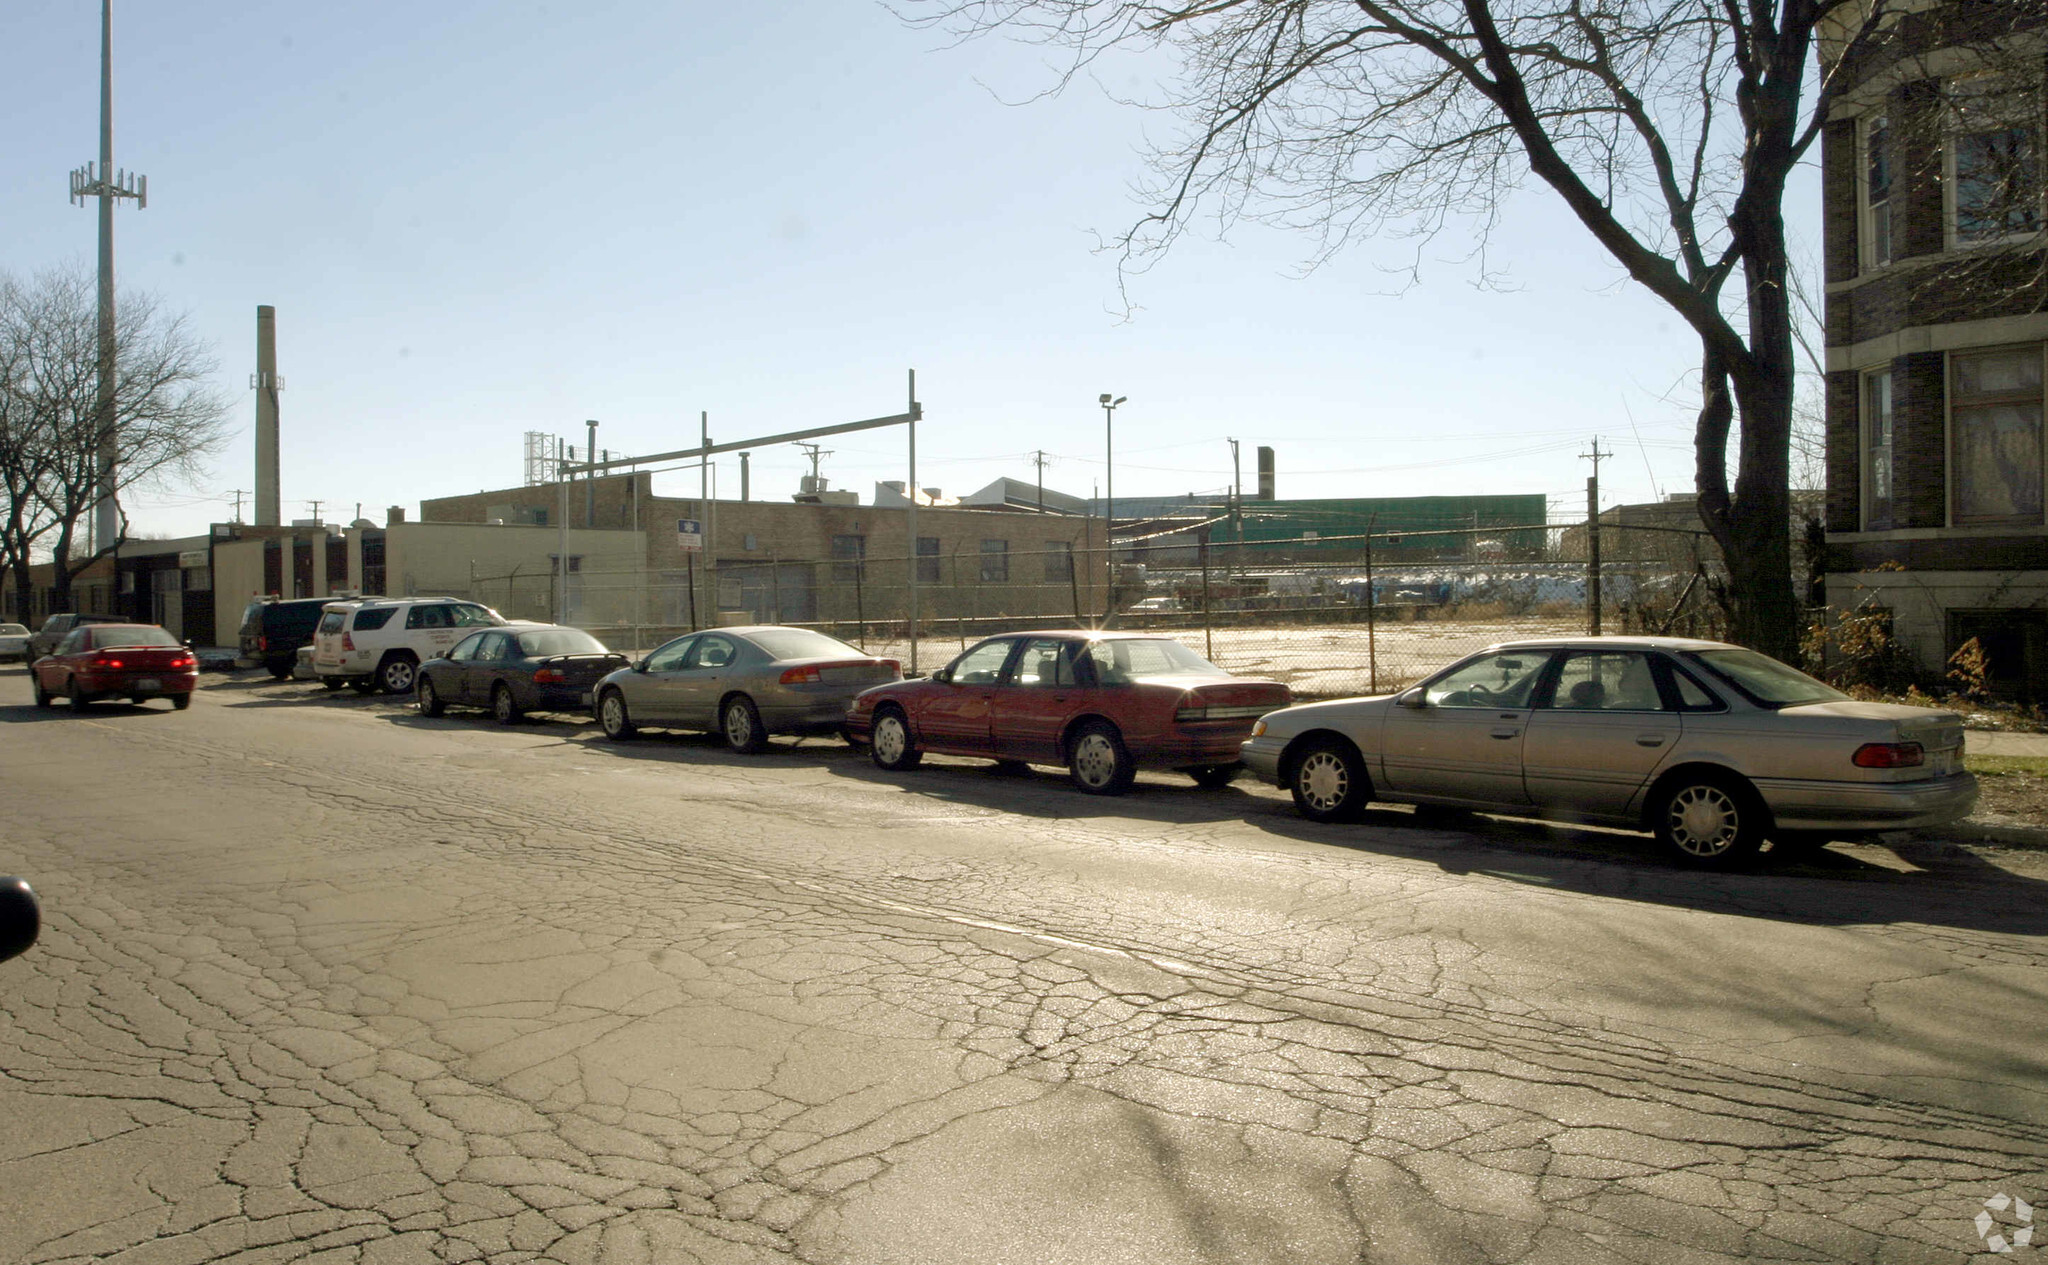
[(1844, 452), (1919, 440)]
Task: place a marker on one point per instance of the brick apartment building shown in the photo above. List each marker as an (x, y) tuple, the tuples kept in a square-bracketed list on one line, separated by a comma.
[(1936, 338)]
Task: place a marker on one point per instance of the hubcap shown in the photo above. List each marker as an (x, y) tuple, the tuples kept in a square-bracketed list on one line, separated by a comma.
[(1095, 760), (738, 727), (504, 705), (1704, 820), (398, 676), (614, 714), (890, 740), (1323, 780), (426, 694)]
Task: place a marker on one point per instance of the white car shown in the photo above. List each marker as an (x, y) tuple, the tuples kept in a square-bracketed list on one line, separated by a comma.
[(13, 641), (379, 643)]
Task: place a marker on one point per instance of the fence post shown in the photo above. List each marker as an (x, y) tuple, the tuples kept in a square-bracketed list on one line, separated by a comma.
[(1208, 625), (1372, 646)]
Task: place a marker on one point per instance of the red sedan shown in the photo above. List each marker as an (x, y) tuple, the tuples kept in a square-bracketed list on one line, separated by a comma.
[(131, 661), (1101, 703)]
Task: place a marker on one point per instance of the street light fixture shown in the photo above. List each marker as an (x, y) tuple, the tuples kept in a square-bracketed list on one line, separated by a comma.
[(1109, 490)]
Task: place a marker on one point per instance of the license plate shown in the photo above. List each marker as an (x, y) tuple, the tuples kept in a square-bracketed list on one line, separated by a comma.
[(1943, 762), (149, 683)]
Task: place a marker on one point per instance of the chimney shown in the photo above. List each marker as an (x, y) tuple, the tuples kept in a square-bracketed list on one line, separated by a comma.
[(266, 385), (1265, 473), (394, 516)]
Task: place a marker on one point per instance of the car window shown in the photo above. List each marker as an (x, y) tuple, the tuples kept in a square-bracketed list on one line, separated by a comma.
[(1045, 661), (800, 643), (74, 641), (427, 617), (538, 645), (368, 620), (1692, 696), (499, 648), (332, 621), (981, 665), (12, 630), (1763, 680), (1501, 679), (469, 615), (467, 648), (1606, 681), (109, 636), (713, 651), (669, 658), (1122, 660)]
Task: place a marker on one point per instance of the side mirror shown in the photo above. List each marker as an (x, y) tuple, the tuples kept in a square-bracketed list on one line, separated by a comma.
[(641, 666), (1412, 698), (943, 675), (21, 919)]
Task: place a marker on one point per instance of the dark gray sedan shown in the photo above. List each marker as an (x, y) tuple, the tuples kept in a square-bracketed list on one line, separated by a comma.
[(512, 671), (743, 683)]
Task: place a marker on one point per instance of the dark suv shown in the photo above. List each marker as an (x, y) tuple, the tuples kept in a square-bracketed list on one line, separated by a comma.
[(273, 630), (57, 627)]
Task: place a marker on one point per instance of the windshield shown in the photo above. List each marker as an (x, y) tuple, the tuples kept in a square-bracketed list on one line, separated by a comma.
[(114, 636), (801, 643), (1128, 659), (1763, 680), (535, 645)]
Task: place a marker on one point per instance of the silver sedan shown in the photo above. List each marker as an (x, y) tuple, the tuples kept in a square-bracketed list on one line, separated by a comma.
[(743, 683), (1711, 747)]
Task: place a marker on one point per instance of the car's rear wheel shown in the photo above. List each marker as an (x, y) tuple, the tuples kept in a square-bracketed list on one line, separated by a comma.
[(280, 669), (1097, 760), (890, 745), (366, 685), (179, 702), (332, 684), (429, 698), (1711, 820), (740, 721), (396, 674), (504, 706), (1329, 782), (78, 697), (613, 718), (1215, 776)]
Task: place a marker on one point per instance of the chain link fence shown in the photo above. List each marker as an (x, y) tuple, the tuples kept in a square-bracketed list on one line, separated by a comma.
[(1329, 616)]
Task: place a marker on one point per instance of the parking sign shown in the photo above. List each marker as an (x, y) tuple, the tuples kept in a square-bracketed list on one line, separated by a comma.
[(690, 534)]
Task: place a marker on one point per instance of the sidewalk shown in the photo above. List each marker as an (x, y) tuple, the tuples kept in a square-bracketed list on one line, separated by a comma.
[(1993, 742)]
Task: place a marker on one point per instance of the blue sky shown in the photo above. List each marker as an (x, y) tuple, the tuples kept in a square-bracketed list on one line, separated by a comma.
[(481, 219)]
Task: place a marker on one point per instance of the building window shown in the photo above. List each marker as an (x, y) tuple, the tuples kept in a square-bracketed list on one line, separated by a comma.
[(1877, 192), (1995, 436), (1059, 561), (927, 559), (847, 554), (995, 562), (1877, 450), (1994, 160)]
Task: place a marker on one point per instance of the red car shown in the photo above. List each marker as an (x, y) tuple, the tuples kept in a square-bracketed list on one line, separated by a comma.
[(1101, 703), (132, 661)]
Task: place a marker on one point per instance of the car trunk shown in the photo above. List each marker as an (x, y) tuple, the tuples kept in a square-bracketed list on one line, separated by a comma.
[(580, 671)]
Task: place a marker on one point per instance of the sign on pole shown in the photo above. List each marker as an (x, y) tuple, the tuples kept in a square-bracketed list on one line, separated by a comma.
[(690, 535)]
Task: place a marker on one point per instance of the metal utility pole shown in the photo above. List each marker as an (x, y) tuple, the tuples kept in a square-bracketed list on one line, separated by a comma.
[(1237, 500), (816, 454), (238, 494), (745, 492), (1109, 497), (590, 480), (109, 186), (1593, 538), (911, 413), (1041, 480), (314, 508)]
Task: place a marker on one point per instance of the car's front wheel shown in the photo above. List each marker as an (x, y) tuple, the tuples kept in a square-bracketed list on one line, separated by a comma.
[(741, 724), (890, 745), (79, 698), (280, 669), (396, 674), (504, 706), (1097, 760), (613, 718), (1329, 782), (429, 698), (1710, 820)]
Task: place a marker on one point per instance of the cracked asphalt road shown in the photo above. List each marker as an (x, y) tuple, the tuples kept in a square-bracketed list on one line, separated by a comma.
[(322, 980)]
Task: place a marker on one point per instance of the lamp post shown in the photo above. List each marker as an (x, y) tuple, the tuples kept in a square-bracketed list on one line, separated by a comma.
[(1109, 496)]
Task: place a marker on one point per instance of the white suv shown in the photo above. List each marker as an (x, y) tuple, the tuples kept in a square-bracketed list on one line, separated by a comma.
[(378, 643)]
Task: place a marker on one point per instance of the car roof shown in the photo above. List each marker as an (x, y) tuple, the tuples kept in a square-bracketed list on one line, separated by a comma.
[(1608, 642)]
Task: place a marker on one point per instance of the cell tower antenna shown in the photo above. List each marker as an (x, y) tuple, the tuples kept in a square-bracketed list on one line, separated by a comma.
[(540, 458), (816, 454)]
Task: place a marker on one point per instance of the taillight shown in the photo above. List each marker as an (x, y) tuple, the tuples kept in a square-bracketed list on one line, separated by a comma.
[(1890, 755), (185, 661), (1193, 707), (262, 642), (348, 643), (800, 676), (549, 676), (105, 660), (895, 668)]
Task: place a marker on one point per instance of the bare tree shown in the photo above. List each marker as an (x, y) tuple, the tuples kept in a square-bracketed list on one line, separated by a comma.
[(1668, 127), (167, 417)]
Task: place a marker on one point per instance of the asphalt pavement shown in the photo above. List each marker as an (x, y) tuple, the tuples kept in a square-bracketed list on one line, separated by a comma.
[(326, 980)]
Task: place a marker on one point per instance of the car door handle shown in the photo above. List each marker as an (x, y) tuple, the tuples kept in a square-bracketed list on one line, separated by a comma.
[(1507, 733), (1649, 740)]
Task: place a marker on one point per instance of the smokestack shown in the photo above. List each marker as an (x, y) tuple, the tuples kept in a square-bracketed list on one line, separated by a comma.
[(266, 417), (1265, 473)]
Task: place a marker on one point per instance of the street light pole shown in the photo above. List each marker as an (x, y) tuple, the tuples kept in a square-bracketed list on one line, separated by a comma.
[(1109, 497)]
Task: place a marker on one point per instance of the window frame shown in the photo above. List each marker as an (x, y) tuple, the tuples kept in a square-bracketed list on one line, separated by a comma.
[(995, 563), (1059, 561), (2030, 120), (1875, 131), (1866, 450), (1954, 466)]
